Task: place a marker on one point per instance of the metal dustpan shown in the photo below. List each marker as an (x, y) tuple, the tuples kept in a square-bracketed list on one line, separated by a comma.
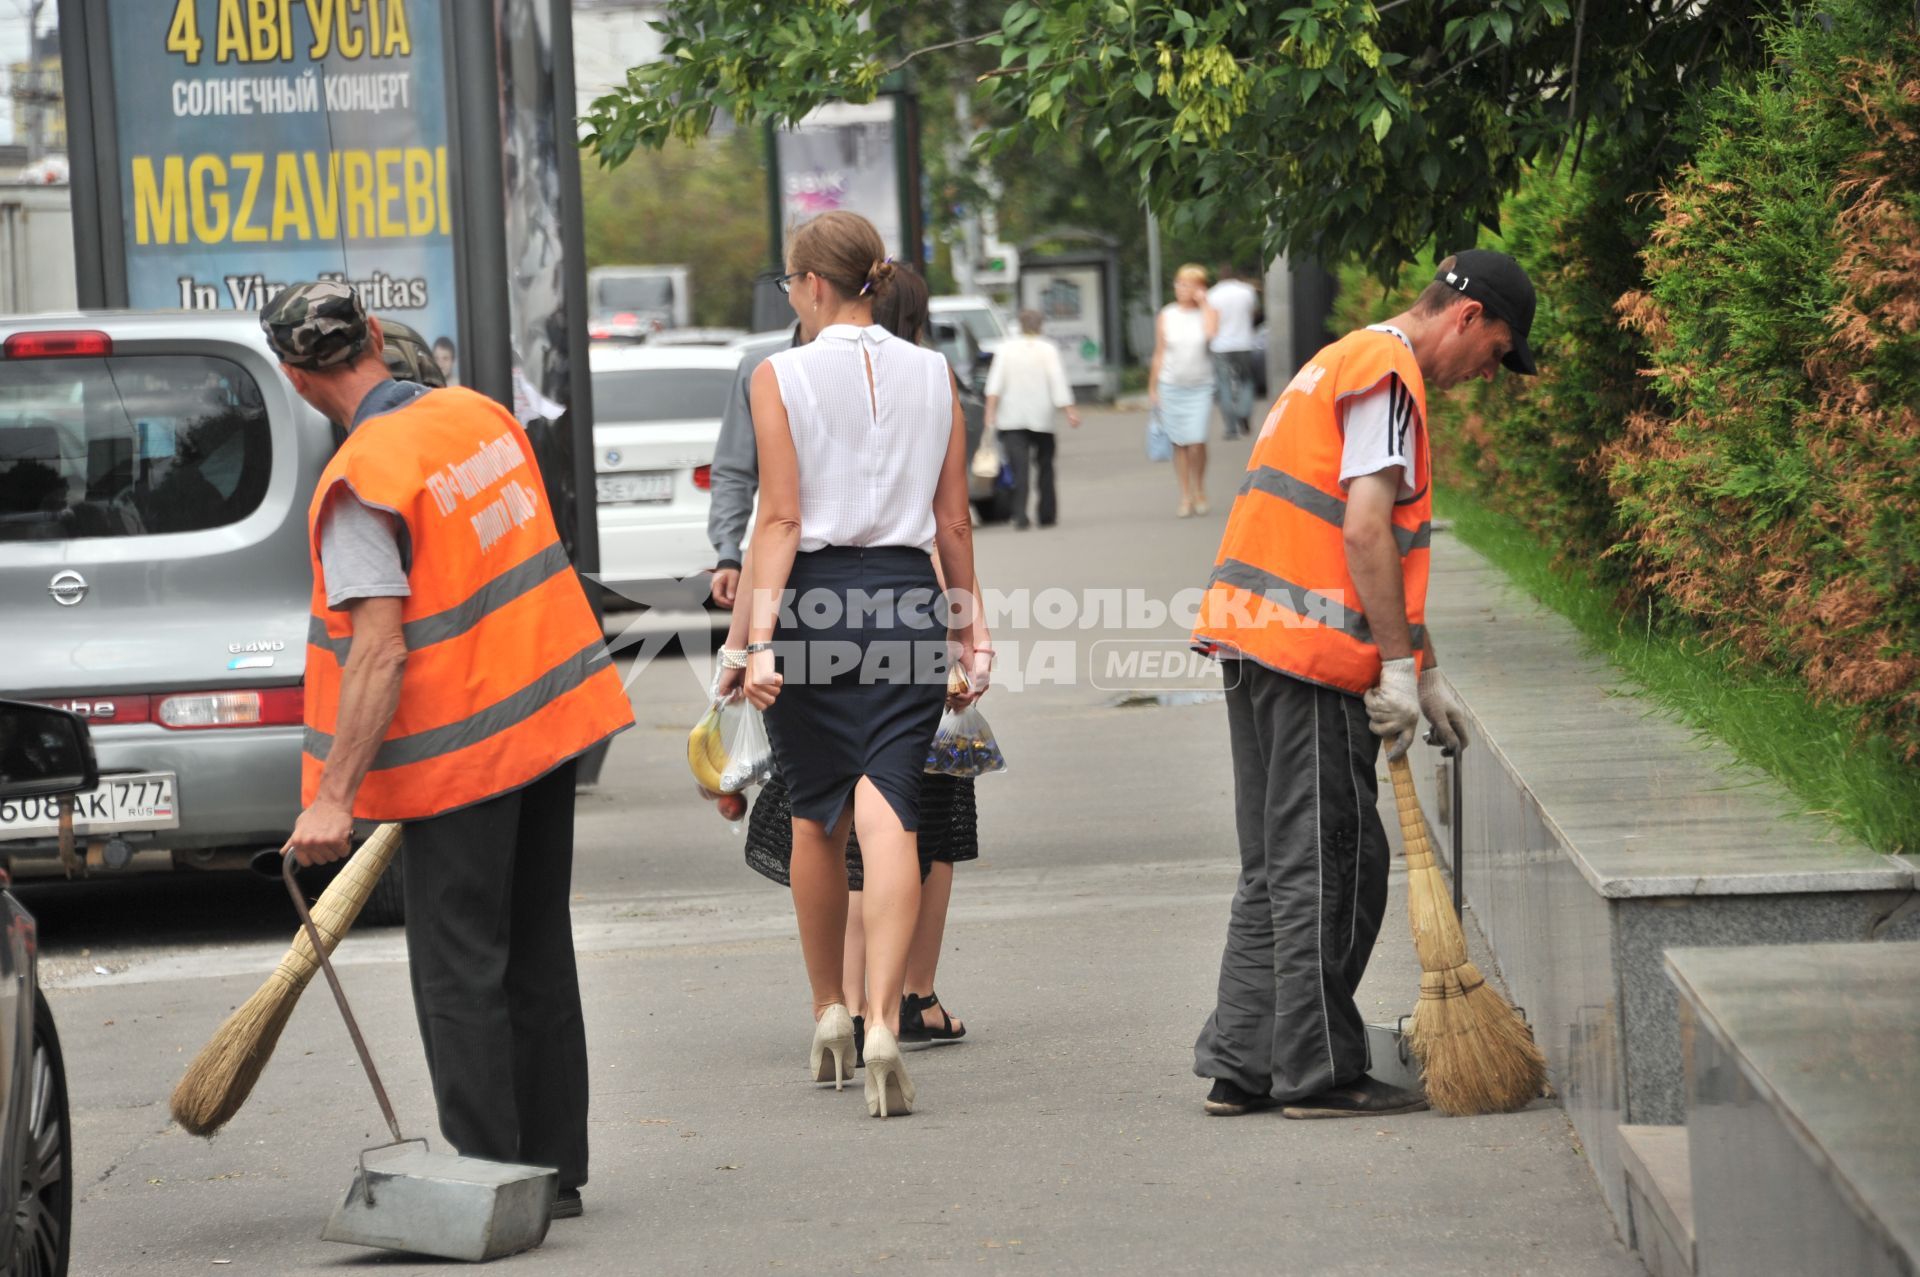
[(407, 1197)]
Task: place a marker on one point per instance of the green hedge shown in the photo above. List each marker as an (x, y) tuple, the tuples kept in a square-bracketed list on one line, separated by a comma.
[(1726, 428), (1533, 448)]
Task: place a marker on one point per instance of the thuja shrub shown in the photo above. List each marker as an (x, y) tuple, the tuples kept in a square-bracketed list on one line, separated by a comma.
[(1770, 492)]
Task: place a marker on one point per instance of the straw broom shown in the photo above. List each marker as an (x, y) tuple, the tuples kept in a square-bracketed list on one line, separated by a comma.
[(1476, 1054), (221, 1077)]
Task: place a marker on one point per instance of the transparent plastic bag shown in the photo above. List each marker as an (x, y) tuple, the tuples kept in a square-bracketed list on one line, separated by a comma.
[(963, 745), (728, 751), (749, 752)]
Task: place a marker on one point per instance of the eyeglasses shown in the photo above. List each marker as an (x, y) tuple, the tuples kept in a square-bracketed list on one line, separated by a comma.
[(782, 282)]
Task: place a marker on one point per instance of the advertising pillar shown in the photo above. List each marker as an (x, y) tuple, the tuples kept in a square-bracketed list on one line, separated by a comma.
[(259, 144), (419, 150)]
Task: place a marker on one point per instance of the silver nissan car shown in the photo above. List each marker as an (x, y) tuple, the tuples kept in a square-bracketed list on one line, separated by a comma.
[(155, 473)]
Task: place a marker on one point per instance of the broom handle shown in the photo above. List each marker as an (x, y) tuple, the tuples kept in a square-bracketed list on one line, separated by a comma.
[(1457, 821), (340, 996)]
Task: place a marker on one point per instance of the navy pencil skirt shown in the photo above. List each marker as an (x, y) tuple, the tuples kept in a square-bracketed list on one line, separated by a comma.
[(861, 644)]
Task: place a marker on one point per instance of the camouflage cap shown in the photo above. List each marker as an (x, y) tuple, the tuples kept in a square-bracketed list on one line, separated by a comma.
[(315, 326)]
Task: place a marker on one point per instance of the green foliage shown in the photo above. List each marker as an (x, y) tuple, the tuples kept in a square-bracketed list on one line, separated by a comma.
[(1725, 434), (1767, 717), (1534, 448), (640, 214), (1329, 128), (1773, 496)]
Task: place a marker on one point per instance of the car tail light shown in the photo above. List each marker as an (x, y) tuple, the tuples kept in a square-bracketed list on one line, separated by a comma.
[(270, 707), (57, 345), (703, 478)]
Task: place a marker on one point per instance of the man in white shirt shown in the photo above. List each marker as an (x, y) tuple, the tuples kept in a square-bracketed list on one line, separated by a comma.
[(1025, 385), (1237, 304)]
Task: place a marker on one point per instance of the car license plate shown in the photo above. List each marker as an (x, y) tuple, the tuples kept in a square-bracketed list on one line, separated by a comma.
[(143, 800), (645, 485)]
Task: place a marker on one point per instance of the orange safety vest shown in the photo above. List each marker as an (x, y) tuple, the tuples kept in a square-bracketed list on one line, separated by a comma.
[(1280, 592), (507, 674)]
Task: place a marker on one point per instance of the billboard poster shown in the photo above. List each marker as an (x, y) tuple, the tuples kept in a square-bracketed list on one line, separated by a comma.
[(1072, 301), (842, 155), (263, 142)]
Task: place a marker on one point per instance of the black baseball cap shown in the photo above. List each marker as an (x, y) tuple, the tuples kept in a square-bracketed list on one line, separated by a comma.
[(1498, 283)]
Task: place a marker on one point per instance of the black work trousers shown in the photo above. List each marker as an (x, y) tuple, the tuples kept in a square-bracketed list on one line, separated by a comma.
[(1312, 893), (490, 947), (1030, 454)]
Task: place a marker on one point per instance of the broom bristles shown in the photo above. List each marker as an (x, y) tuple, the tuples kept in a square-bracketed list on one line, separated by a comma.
[(221, 1077), (1476, 1053)]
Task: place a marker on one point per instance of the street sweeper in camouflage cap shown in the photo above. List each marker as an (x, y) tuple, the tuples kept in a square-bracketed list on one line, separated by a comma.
[(432, 520), (317, 325)]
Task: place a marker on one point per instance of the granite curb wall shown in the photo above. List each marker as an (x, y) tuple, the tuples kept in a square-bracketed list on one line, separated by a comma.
[(1597, 836)]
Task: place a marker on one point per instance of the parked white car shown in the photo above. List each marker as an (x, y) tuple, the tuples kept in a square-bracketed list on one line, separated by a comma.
[(656, 412), (985, 322)]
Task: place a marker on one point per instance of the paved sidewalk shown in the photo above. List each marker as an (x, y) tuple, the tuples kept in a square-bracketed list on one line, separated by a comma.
[(1064, 1136)]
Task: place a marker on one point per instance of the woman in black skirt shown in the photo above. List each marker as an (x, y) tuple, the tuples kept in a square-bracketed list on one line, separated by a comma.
[(849, 637), (949, 829)]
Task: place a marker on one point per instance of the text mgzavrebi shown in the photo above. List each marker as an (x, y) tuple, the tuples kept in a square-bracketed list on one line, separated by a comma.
[(389, 193)]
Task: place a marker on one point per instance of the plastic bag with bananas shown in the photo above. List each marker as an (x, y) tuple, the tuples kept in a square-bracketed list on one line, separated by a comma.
[(728, 750)]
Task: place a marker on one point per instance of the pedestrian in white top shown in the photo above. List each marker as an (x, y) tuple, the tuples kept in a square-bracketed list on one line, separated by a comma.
[(1237, 304), (1180, 382), (1025, 386), (862, 450)]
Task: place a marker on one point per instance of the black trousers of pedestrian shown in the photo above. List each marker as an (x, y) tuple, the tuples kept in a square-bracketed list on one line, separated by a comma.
[(1312, 893), (490, 946), (1030, 453)]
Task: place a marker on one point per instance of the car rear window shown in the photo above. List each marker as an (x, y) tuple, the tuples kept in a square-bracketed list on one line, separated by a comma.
[(129, 445), (983, 324), (661, 394), (653, 292)]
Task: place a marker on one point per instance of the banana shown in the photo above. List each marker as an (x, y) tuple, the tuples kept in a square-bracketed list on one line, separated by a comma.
[(706, 756)]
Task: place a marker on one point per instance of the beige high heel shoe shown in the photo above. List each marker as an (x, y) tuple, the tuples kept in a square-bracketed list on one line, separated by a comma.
[(831, 1059), (889, 1089)]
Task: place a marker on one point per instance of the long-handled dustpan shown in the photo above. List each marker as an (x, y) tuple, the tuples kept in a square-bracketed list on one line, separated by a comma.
[(413, 1199)]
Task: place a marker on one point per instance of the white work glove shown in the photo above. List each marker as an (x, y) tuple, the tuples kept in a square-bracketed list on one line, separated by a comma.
[(1443, 710), (1393, 706)]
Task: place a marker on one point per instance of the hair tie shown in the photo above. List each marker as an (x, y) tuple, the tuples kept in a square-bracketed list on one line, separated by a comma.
[(868, 286)]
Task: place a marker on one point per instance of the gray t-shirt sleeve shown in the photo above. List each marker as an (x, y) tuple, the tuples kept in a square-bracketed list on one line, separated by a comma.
[(361, 556)]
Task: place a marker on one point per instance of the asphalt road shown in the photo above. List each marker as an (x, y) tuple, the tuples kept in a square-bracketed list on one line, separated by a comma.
[(1064, 1135)]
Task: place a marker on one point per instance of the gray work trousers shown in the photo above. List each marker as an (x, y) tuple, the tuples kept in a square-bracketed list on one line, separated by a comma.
[(1312, 893)]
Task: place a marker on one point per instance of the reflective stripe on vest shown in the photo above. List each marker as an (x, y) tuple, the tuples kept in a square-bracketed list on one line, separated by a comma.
[(507, 675), (1280, 592), (403, 750), (497, 593), (1332, 509)]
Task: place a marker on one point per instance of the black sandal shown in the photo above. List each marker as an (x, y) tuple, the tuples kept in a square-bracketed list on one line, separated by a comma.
[(914, 1028)]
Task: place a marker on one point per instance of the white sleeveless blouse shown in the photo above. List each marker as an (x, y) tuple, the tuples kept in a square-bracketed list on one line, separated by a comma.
[(868, 464)]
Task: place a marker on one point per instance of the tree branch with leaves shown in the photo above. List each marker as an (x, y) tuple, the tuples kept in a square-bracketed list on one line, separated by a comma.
[(1329, 128)]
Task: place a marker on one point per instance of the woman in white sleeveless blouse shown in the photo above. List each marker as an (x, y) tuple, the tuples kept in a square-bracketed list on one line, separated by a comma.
[(1180, 381), (862, 474)]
